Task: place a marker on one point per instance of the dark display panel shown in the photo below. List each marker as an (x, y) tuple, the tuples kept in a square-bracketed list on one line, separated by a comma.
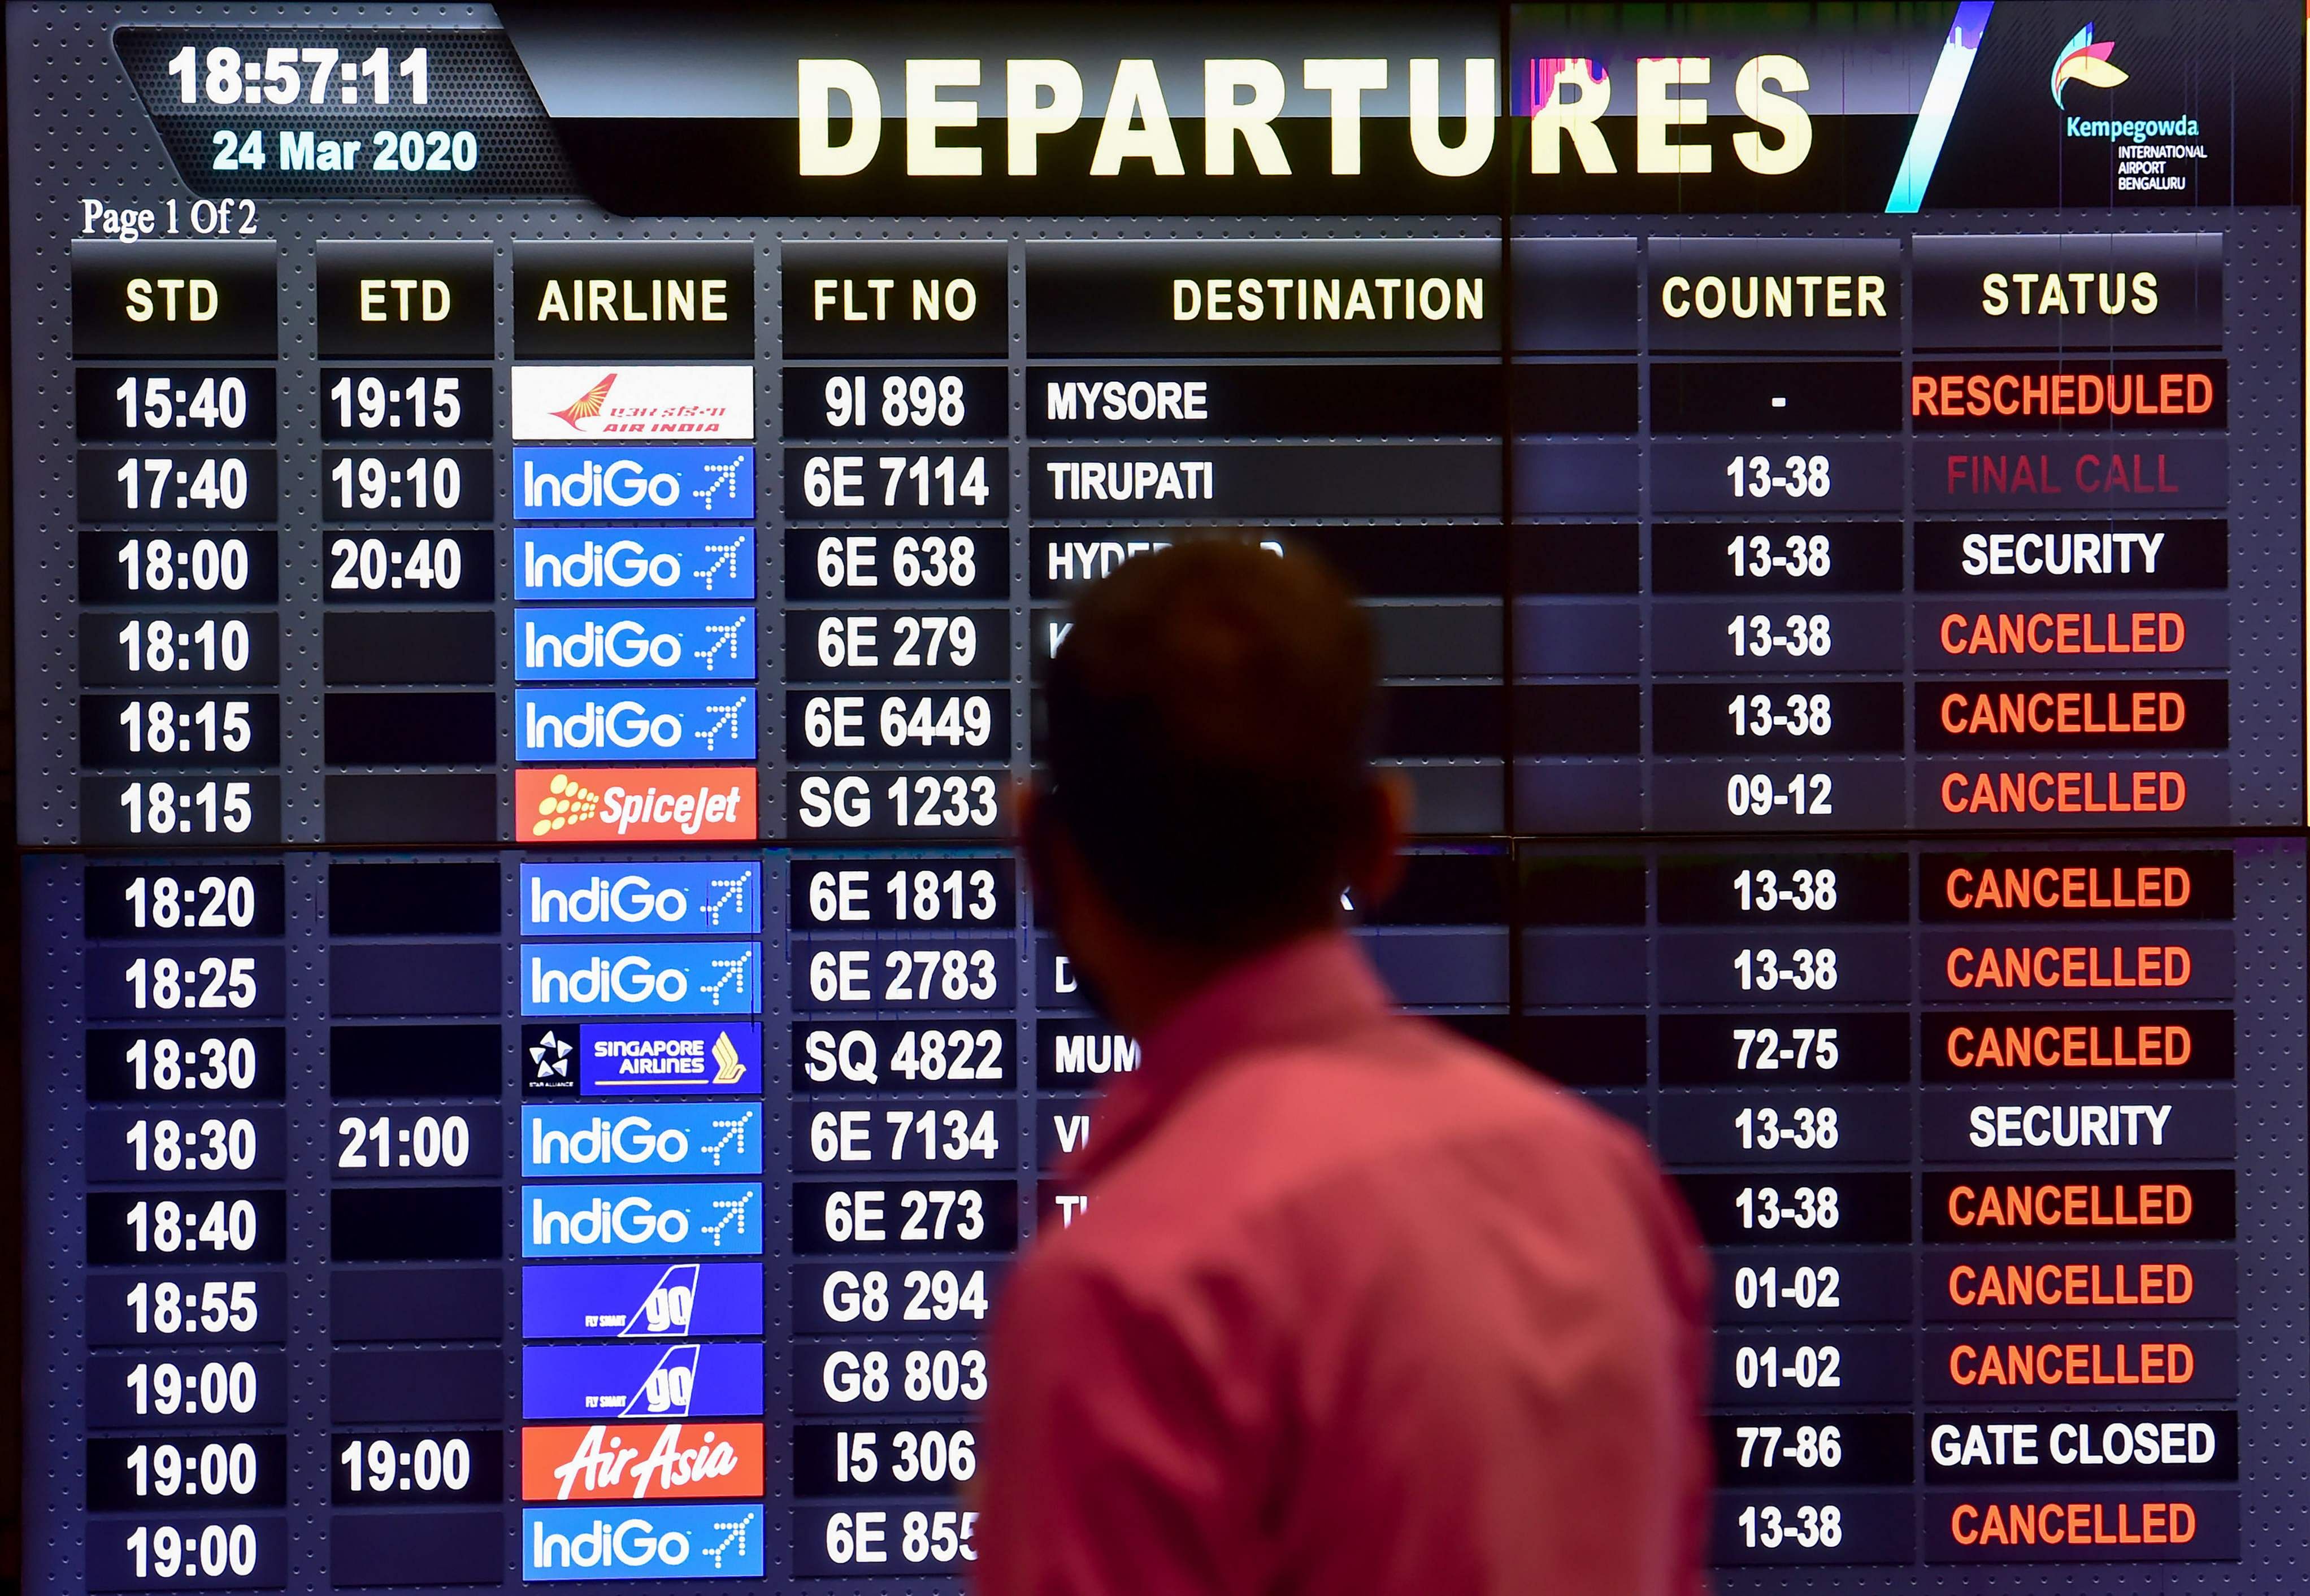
[(539, 532)]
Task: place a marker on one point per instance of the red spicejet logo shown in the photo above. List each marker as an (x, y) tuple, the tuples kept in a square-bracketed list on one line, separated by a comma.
[(639, 1462), (644, 803)]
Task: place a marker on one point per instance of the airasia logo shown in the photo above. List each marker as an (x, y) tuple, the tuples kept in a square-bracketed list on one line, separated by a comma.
[(593, 1462)]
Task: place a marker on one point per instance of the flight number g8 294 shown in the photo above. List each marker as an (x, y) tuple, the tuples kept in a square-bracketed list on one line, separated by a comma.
[(921, 1297)]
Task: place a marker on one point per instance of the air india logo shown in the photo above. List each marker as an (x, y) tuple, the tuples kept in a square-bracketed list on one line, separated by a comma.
[(588, 405), (2082, 61)]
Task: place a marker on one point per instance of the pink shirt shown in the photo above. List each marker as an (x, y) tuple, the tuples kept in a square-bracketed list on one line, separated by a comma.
[(1355, 1306)]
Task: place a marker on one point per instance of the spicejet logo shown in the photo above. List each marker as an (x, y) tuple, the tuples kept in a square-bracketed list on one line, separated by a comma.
[(646, 803), (639, 1462), (2082, 61)]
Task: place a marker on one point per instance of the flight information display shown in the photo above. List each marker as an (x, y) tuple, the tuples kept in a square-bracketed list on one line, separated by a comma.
[(538, 532)]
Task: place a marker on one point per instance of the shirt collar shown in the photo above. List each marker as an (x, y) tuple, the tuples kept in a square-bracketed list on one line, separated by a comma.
[(1308, 989)]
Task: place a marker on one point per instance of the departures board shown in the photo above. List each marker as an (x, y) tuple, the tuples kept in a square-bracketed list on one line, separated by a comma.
[(537, 531)]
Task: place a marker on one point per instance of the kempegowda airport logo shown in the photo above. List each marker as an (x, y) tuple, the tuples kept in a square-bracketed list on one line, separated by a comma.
[(2142, 165), (663, 483), (642, 1542)]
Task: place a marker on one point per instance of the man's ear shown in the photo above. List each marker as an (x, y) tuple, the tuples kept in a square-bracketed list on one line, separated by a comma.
[(1375, 866)]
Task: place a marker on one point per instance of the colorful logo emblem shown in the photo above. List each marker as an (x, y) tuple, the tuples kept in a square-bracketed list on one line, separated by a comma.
[(659, 1543), (641, 1301), (645, 803), (641, 1221), (2082, 61)]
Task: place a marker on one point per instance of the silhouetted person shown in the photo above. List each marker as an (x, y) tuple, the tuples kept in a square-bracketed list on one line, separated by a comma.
[(1355, 1305)]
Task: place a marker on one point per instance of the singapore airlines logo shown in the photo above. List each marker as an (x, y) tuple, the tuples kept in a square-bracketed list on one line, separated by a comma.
[(589, 404), (2082, 61)]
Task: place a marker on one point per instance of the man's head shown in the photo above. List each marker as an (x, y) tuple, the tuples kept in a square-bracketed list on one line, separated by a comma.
[(1208, 790)]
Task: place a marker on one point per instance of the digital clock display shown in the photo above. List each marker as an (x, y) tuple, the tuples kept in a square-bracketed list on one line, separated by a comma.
[(540, 542)]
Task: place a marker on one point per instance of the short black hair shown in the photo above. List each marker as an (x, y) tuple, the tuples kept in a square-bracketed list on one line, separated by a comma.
[(1208, 729)]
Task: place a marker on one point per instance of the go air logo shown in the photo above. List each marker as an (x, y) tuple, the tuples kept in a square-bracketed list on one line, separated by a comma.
[(679, 723), (656, 562), (707, 1217), (644, 898), (639, 1462), (639, 645), (565, 403), (667, 482), (648, 803), (659, 1543), (641, 978), (640, 1302), (635, 1379), (660, 1139)]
